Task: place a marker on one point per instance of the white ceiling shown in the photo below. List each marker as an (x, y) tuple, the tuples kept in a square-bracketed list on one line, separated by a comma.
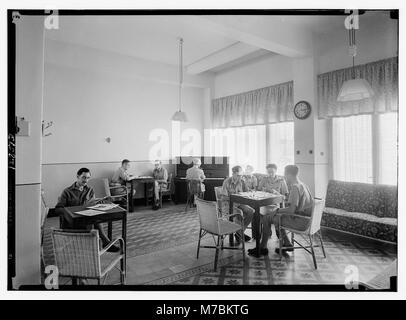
[(207, 39), (149, 37)]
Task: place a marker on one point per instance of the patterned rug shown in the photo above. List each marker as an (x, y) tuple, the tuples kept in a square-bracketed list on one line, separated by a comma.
[(343, 257), (147, 232)]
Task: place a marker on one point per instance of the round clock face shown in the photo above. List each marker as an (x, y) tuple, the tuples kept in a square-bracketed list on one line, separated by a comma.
[(302, 109)]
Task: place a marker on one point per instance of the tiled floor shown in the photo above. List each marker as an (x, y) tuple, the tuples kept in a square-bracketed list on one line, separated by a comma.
[(178, 264)]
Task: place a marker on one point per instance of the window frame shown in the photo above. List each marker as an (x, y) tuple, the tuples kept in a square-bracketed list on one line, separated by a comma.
[(376, 146)]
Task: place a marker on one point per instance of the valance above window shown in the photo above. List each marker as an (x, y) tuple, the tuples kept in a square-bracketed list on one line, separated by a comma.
[(261, 106), (382, 75)]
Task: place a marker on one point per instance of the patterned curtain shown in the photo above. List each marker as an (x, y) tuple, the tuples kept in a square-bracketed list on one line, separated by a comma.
[(382, 75), (267, 105)]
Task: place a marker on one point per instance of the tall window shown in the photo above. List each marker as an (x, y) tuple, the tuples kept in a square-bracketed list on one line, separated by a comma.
[(281, 144), (254, 145), (352, 148), (388, 148), (365, 148), (243, 145)]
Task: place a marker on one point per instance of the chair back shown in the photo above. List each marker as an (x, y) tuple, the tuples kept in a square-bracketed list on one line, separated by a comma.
[(217, 192), (44, 209), (100, 186), (77, 253), (170, 183), (317, 213), (208, 217)]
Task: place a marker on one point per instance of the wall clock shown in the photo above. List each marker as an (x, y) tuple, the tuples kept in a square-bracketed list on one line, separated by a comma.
[(302, 110)]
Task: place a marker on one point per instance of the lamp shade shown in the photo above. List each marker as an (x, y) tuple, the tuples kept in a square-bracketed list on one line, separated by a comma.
[(179, 116), (355, 89)]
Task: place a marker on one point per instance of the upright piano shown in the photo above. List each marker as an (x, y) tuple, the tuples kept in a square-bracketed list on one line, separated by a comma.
[(216, 169)]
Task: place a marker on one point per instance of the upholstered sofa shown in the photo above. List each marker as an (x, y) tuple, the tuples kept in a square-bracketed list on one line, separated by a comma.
[(361, 208)]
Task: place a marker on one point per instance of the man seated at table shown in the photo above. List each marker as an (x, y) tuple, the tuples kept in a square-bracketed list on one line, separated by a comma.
[(195, 173), (160, 175), (249, 179), (232, 185), (274, 184), (120, 178), (80, 194), (297, 214)]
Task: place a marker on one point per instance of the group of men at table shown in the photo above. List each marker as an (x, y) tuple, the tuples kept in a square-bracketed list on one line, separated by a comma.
[(295, 214)]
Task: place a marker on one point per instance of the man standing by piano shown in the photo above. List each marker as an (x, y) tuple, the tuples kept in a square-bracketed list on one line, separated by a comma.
[(196, 173)]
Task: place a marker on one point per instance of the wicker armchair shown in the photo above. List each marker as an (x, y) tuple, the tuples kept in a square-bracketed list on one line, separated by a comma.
[(44, 215), (210, 223), (102, 190), (78, 255), (313, 228), (166, 190)]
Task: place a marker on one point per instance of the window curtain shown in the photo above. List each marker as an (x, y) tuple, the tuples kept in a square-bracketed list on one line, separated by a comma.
[(382, 75), (267, 105)]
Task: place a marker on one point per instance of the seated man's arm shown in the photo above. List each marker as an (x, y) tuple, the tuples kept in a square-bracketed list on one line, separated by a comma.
[(255, 183), (244, 186), (261, 185), (293, 202), (92, 199), (62, 202), (284, 188)]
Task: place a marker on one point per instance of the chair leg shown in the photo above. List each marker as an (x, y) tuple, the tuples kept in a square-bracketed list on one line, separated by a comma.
[(243, 246), (122, 269), (222, 243), (312, 249), (187, 202), (280, 241), (217, 253), (122, 278), (198, 244), (98, 282), (321, 243)]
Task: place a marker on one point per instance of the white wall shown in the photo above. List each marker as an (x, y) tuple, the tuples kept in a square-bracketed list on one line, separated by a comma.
[(375, 41), (29, 85), (263, 72), (90, 95)]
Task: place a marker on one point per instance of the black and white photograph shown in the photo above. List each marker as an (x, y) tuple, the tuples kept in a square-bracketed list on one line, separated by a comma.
[(202, 149)]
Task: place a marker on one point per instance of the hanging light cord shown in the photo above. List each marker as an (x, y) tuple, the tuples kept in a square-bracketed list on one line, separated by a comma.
[(352, 49), (180, 72)]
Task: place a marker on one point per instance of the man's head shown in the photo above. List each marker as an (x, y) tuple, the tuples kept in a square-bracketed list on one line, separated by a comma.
[(236, 171), (271, 169), (291, 173), (197, 162), (83, 176), (158, 164), (125, 164), (249, 169)]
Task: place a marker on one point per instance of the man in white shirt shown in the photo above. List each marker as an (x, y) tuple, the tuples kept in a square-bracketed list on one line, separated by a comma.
[(120, 178), (297, 214)]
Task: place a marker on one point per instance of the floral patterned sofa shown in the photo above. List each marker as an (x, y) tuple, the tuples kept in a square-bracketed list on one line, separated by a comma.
[(361, 208)]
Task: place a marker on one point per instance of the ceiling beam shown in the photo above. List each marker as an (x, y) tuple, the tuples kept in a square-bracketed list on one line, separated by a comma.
[(267, 32), (221, 57)]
